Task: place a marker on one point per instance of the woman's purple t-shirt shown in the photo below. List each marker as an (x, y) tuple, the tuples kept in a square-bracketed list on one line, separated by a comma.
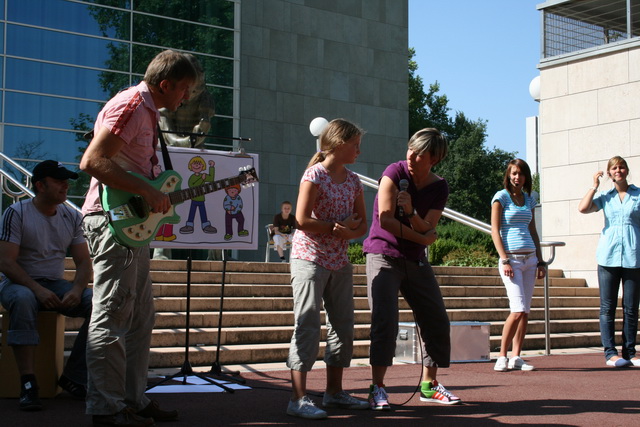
[(433, 196)]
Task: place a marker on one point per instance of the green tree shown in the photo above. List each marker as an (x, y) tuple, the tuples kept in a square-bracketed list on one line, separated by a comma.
[(426, 109), (474, 173)]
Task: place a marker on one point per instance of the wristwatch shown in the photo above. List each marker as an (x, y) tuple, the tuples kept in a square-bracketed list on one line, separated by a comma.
[(505, 261), (412, 214)]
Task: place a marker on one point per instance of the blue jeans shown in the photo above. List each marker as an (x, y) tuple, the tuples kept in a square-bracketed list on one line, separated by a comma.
[(609, 280), (23, 309)]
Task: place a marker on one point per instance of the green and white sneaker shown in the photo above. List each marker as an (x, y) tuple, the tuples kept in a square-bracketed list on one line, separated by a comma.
[(432, 391)]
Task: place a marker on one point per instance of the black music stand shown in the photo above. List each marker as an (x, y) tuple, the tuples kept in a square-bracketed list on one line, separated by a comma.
[(187, 370), (216, 369)]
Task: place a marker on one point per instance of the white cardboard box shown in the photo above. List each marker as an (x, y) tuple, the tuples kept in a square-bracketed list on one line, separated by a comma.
[(469, 342)]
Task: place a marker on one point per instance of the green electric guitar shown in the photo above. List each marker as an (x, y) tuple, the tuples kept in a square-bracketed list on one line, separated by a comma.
[(130, 218)]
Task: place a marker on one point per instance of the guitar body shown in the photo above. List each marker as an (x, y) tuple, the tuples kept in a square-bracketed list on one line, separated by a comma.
[(131, 221)]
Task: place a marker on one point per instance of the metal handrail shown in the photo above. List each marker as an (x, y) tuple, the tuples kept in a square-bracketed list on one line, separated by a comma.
[(486, 228), (6, 178)]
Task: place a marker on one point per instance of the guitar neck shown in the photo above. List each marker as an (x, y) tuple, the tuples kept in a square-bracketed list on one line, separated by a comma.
[(179, 196)]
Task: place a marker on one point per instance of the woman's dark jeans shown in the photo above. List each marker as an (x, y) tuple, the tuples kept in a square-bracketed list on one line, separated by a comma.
[(609, 280)]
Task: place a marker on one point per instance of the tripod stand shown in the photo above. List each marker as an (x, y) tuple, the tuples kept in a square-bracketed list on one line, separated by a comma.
[(186, 369), (216, 369)]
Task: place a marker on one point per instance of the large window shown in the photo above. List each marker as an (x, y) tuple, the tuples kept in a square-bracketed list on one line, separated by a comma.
[(578, 25), (65, 58)]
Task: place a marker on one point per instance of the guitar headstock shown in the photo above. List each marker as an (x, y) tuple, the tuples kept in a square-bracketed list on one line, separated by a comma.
[(249, 176)]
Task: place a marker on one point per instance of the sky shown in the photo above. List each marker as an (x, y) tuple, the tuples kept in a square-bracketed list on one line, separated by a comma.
[(483, 54)]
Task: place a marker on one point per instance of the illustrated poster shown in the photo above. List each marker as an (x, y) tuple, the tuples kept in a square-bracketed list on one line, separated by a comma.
[(223, 219)]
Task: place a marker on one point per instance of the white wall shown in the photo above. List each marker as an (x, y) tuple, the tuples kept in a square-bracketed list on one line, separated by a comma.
[(589, 112)]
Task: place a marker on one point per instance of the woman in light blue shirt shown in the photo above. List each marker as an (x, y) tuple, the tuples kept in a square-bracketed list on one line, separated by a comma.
[(617, 257), (513, 231)]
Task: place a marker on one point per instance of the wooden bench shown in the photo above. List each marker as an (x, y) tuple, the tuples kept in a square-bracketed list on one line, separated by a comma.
[(49, 356)]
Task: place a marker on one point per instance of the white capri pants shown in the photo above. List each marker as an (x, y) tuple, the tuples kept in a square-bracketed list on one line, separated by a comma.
[(520, 286)]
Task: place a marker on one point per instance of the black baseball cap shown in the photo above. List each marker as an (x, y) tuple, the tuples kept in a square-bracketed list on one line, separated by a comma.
[(53, 169)]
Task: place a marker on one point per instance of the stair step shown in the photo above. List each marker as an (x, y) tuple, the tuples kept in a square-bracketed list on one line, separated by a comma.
[(257, 322), (167, 357)]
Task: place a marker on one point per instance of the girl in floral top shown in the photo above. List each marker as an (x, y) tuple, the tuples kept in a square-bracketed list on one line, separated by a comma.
[(330, 212)]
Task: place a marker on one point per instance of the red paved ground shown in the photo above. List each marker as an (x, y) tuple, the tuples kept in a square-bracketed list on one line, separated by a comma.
[(565, 390)]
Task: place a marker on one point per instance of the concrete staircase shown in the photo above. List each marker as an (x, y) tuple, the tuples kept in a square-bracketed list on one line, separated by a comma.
[(257, 318)]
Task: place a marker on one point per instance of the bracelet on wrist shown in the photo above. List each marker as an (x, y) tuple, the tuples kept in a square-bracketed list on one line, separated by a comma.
[(594, 188)]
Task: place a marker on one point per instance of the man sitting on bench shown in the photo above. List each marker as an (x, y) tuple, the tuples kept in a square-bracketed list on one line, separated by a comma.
[(34, 237)]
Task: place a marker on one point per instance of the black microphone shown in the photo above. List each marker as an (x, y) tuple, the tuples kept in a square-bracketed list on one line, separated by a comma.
[(403, 184)]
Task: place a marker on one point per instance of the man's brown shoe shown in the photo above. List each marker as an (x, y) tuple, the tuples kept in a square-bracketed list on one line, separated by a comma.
[(126, 418), (153, 411)]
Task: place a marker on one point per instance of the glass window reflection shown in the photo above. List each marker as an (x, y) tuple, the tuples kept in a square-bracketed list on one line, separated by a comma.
[(43, 144), (217, 71), (223, 99), (66, 48), (40, 77), (185, 36), (220, 126), (70, 16), (47, 111), (213, 12)]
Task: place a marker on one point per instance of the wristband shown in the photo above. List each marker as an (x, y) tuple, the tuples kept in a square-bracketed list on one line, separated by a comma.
[(505, 261), (542, 264), (593, 188), (412, 214)]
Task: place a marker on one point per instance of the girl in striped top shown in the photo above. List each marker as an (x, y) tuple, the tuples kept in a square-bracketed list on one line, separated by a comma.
[(514, 235)]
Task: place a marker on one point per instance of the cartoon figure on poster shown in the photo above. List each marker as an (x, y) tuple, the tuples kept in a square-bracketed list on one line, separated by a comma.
[(233, 207), (165, 231), (197, 165)]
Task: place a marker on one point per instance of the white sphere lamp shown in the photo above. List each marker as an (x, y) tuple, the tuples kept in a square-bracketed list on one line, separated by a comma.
[(316, 127), (534, 88)]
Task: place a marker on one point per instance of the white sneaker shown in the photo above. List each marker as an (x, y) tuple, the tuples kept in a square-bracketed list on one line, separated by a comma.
[(518, 364), (501, 364), (343, 400), (305, 408)]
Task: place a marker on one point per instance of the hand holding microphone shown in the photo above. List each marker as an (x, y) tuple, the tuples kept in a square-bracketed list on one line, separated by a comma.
[(404, 185)]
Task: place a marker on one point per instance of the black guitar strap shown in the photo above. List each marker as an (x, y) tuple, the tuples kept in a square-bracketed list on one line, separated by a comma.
[(165, 152)]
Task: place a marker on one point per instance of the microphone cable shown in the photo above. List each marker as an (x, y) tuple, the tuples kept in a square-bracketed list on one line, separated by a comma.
[(415, 322)]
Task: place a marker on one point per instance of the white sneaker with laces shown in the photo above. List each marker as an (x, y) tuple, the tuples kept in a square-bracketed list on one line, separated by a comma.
[(501, 364), (343, 400), (518, 364), (305, 408)]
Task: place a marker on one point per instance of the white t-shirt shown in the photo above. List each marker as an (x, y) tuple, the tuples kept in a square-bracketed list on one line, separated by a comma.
[(43, 240)]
